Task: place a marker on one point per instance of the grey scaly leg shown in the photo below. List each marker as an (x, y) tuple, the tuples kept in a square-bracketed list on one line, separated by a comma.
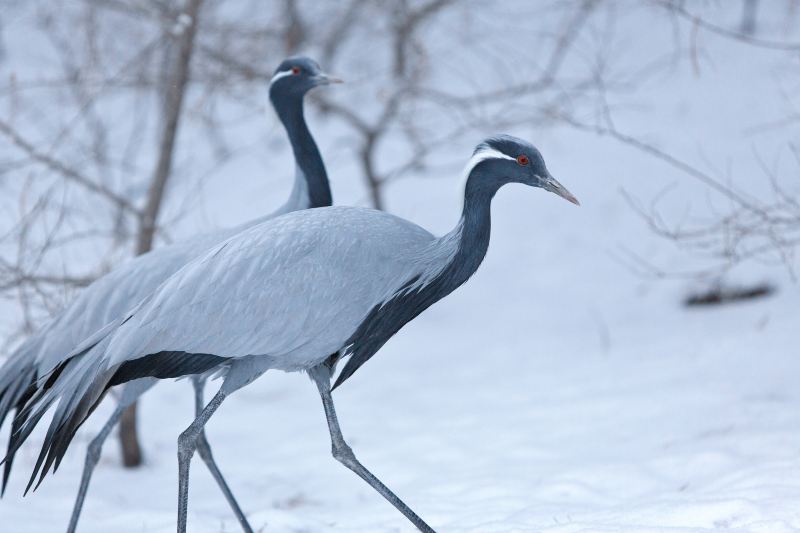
[(240, 373), (321, 374), (187, 441), (204, 450), (92, 457), (130, 392)]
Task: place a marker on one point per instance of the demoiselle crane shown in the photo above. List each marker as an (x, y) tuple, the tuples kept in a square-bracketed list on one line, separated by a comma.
[(301, 292), (115, 293)]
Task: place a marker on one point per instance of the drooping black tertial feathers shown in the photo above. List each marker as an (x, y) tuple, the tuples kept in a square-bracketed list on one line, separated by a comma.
[(165, 365), (17, 386), (73, 411)]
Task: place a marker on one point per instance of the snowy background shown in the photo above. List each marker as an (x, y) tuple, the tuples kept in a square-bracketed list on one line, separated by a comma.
[(562, 389)]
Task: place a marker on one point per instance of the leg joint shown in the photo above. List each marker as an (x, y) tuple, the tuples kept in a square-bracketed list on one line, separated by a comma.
[(96, 446), (186, 443), (93, 452), (343, 453)]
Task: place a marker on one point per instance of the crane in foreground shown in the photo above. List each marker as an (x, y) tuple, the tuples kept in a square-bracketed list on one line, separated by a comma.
[(115, 293), (302, 292)]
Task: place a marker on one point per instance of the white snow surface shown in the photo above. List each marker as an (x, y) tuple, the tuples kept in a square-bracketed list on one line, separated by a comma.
[(557, 391)]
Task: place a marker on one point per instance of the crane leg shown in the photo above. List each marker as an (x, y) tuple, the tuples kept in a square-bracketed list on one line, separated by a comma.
[(321, 374), (240, 373), (187, 442), (92, 457), (130, 392), (204, 450)]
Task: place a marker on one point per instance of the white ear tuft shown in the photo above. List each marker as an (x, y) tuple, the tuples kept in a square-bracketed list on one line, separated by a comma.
[(279, 75), (486, 152)]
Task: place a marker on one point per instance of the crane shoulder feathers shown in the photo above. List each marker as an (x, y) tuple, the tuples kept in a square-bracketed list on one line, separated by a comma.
[(115, 293), (287, 293), (292, 289)]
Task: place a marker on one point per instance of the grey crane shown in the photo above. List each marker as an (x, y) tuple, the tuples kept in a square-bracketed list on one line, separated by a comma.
[(302, 292), (112, 295)]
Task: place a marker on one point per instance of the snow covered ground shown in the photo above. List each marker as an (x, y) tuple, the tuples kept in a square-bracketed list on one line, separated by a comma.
[(557, 391)]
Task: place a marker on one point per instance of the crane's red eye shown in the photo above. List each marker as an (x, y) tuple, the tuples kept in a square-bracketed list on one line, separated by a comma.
[(523, 160), (295, 70)]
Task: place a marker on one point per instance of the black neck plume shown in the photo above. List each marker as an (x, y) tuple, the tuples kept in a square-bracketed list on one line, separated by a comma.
[(465, 248), (306, 154), (473, 230)]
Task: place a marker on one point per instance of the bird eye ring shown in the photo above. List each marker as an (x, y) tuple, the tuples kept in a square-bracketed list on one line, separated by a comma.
[(295, 70), (523, 160)]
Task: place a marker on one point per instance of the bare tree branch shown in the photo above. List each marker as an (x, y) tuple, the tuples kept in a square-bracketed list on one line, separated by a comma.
[(185, 28), (66, 171), (678, 9)]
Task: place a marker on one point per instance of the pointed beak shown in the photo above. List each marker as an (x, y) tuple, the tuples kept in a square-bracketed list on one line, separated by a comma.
[(326, 79), (552, 185)]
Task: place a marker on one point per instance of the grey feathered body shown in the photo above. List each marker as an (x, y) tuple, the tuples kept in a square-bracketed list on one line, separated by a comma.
[(285, 294), (112, 295), (292, 290), (306, 288)]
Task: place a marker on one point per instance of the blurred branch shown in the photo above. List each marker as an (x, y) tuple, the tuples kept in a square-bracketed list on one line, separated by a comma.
[(609, 129), (566, 38), (295, 28), (749, 229), (39, 279), (676, 7), (66, 171), (330, 44), (185, 28), (405, 22)]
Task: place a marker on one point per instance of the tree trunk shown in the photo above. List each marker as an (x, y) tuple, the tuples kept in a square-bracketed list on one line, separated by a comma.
[(295, 33), (184, 30), (128, 438), (749, 12)]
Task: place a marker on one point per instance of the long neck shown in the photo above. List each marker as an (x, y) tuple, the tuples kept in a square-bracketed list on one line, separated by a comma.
[(311, 187), (461, 252), (470, 238)]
